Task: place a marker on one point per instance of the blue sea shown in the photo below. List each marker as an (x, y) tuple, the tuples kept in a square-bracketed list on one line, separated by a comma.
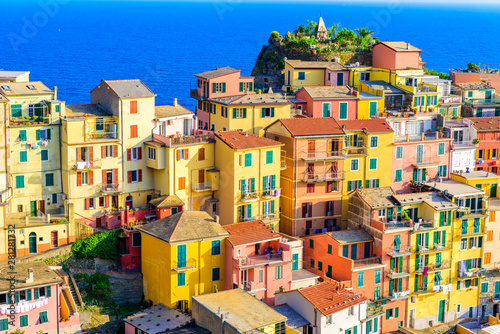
[(74, 44)]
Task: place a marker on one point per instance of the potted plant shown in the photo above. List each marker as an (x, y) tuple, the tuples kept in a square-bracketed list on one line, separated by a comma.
[(475, 142)]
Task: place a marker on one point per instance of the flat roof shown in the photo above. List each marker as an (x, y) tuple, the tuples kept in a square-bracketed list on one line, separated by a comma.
[(298, 64), (249, 99), (240, 309), (12, 74), (158, 319), (351, 236), (382, 85), (378, 198), (83, 110), (295, 320), (302, 274), (477, 174), (400, 46), (433, 199), (172, 111), (329, 92), (456, 188), (475, 86)]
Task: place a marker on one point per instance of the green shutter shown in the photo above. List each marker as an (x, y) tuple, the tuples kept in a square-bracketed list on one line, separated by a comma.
[(272, 206), (252, 184), (241, 86), (397, 312), (234, 112), (38, 134), (349, 185), (273, 182), (375, 325), (249, 210), (272, 112), (391, 287), (28, 294), (223, 87), (251, 86), (17, 296), (214, 85), (427, 240), (377, 183), (244, 112), (263, 112), (416, 283), (436, 237), (47, 289), (441, 219), (37, 294), (367, 183)]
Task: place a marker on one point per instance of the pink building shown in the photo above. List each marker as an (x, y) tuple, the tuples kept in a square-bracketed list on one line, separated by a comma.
[(262, 261), (420, 153), (339, 102), (42, 301), (460, 76), (218, 83), (396, 55)]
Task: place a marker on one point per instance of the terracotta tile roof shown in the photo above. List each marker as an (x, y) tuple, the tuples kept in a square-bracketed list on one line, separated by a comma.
[(400, 46), (329, 92), (486, 124), (328, 298), (166, 201), (80, 110), (184, 226), (172, 111), (216, 72), (249, 233), (23, 88), (474, 86), (298, 64), (373, 125), (309, 126), (240, 140)]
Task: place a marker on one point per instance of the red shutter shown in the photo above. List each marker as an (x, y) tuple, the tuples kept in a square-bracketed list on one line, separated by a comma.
[(103, 176), (78, 154), (103, 152), (87, 203), (91, 153), (139, 153), (329, 187), (107, 201), (115, 175), (139, 173), (91, 177), (129, 154), (133, 107), (186, 156), (178, 155), (79, 178), (129, 177), (115, 151)]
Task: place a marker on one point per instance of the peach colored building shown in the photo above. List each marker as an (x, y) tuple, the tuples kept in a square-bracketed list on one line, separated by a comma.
[(218, 83), (487, 130), (378, 213), (311, 183), (396, 55), (459, 76), (420, 153), (339, 102), (262, 261)]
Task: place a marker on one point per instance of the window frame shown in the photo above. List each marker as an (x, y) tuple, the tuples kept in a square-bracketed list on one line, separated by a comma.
[(357, 165), (219, 276), (298, 75), (152, 153), (376, 141), (370, 163)]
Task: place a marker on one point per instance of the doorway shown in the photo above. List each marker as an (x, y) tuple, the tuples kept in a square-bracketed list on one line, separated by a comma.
[(54, 241), (201, 176), (340, 79), (442, 304), (41, 206), (109, 176), (129, 202), (32, 243), (33, 208)]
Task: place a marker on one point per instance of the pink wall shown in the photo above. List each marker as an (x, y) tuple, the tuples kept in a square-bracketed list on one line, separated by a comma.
[(385, 57), (116, 220), (333, 77), (487, 141), (458, 77), (410, 157), (315, 107)]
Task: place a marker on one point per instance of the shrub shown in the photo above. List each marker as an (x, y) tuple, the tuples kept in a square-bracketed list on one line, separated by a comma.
[(275, 34), (104, 245), (475, 141)]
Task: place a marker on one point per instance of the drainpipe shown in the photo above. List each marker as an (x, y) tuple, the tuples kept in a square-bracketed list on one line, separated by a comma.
[(294, 219), (58, 312), (121, 135)]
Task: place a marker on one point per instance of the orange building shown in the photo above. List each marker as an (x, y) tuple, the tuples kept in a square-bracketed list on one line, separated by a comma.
[(396, 55), (311, 195)]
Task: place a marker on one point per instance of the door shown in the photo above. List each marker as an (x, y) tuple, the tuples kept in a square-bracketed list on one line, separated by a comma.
[(311, 148), (98, 222), (340, 79), (114, 201), (487, 95), (412, 318), (288, 78), (32, 242), (257, 249), (201, 176), (109, 177), (173, 210), (33, 209), (129, 202), (53, 239), (441, 310), (295, 263), (493, 191), (310, 171), (367, 250), (41, 206), (186, 127), (496, 308)]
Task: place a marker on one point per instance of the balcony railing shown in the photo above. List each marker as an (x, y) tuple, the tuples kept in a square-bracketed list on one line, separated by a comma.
[(452, 98), (202, 186), (103, 135), (462, 144), (271, 193), (261, 260), (366, 262), (474, 213), (323, 155), (397, 295), (394, 224), (423, 225), (322, 176), (111, 188), (373, 309), (247, 219), (433, 289), (398, 273), (86, 165), (249, 196), (399, 251), (433, 267), (434, 248), (358, 150), (470, 273), (269, 217), (491, 101), (188, 264)]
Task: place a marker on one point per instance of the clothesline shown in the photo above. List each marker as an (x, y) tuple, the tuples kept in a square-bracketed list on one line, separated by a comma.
[(23, 307)]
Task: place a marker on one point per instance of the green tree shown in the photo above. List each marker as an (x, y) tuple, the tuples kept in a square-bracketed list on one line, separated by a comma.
[(311, 27), (334, 30), (473, 67), (363, 32)]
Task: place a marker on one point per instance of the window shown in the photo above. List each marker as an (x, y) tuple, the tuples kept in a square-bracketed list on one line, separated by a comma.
[(372, 183), (54, 199), (261, 276), (301, 75), (135, 153), (133, 107), (377, 276), (44, 155), (182, 154), (459, 308), (494, 153), (269, 157), (463, 244), (279, 272), (22, 135), (354, 165), (201, 154), (181, 256), (329, 249), (181, 279), (320, 266), (223, 111), (151, 153), (23, 156), (49, 179), (133, 131), (239, 112), (442, 171), (219, 87), (310, 188), (108, 151), (44, 134), (4, 324), (374, 142), (350, 311), (134, 176), (441, 149), (343, 110), (16, 110), (399, 175), (246, 86), (23, 321), (216, 247), (327, 109), (399, 152), (182, 183), (484, 287), (373, 163), (248, 159), (19, 181), (136, 239), (353, 185), (43, 317), (490, 235), (215, 274), (419, 101), (360, 279), (84, 178), (329, 319), (311, 243), (431, 100), (90, 203), (364, 76), (376, 293), (267, 112), (392, 313)]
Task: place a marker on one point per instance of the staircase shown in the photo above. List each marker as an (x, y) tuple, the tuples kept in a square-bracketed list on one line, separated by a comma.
[(75, 292)]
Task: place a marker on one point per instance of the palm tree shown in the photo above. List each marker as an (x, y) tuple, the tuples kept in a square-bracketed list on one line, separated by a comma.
[(334, 30), (363, 32)]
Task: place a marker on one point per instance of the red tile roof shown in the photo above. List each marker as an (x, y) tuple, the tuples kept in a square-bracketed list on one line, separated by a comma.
[(486, 124), (241, 140), (312, 126), (373, 125), (249, 232), (329, 298)]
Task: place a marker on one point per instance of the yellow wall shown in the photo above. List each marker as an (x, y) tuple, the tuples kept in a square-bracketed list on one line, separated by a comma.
[(314, 77), (364, 107), (485, 182), (160, 279)]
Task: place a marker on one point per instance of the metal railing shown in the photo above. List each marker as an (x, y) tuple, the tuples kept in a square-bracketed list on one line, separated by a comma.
[(356, 150), (399, 251), (187, 264), (470, 273), (111, 187), (482, 101), (393, 224), (322, 176), (323, 155), (439, 247), (398, 272), (243, 261), (85, 165), (452, 98), (102, 135), (249, 196), (433, 266), (423, 225), (366, 262), (202, 186), (271, 193)]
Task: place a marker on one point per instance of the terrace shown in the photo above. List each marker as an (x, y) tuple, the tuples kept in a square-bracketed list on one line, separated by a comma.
[(86, 165), (323, 155), (440, 247), (369, 262), (245, 262), (398, 273), (483, 102), (110, 188), (398, 251), (322, 176)]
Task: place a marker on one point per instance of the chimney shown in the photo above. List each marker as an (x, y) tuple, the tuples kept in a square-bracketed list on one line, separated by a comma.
[(407, 46), (217, 67), (175, 102), (30, 276), (55, 92), (217, 219)]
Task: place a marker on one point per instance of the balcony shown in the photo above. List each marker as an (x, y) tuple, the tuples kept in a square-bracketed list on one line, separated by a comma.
[(201, 187), (86, 165), (112, 135), (110, 188), (424, 225), (462, 144), (189, 264), (249, 196), (398, 295), (247, 219), (475, 213), (322, 176), (323, 155), (370, 262), (483, 102), (450, 99), (426, 289), (373, 309), (245, 262), (271, 193), (432, 267), (400, 251), (398, 273), (395, 224), (270, 217), (434, 248), (470, 273)]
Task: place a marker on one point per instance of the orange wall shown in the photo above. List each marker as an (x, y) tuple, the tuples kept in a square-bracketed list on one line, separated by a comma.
[(384, 57)]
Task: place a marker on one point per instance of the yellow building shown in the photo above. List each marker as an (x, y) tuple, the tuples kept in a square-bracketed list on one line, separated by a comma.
[(369, 105), (250, 113), (249, 177), (300, 74), (368, 145), (185, 166), (182, 255)]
